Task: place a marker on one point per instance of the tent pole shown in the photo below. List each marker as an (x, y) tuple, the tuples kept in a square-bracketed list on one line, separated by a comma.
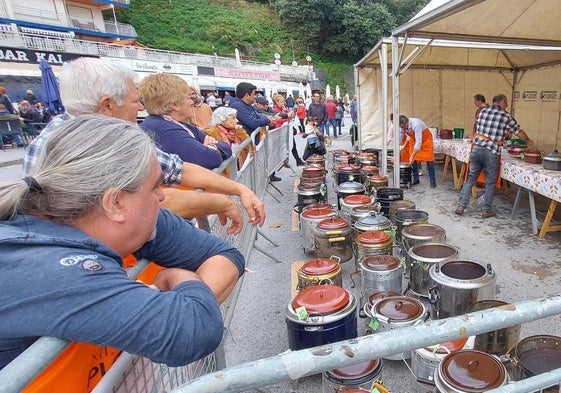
[(395, 99)]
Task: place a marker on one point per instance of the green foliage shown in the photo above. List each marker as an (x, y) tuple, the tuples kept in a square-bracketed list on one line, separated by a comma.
[(336, 33)]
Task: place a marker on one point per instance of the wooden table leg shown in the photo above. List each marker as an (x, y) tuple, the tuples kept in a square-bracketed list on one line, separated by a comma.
[(462, 175), (455, 172), (547, 227), (445, 168)]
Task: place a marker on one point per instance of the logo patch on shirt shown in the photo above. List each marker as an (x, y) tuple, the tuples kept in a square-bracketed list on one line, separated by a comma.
[(76, 259), (91, 266)]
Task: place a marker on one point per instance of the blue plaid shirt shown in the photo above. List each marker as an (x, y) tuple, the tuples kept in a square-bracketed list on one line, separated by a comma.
[(172, 165), (493, 123)]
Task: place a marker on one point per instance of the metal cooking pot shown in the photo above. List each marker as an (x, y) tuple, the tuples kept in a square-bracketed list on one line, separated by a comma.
[(423, 256), (351, 201), (552, 161), (309, 219), (363, 375), (348, 188), (469, 370), (358, 212), (457, 285), (380, 273), (418, 234), (318, 271), (372, 222), (372, 243), (326, 314), (395, 313), (408, 217), (333, 236), (496, 342)]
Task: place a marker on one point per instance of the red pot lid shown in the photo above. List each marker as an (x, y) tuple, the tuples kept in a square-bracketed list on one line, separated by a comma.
[(360, 199), (318, 213), (347, 168), (400, 308), (449, 346), (356, 371), (373, 237), (323, 299), (472, 371), (379, 177), (381, 295), (381, 262), (319, 266), (369, 168), (315, 157), (333, 223), (318, 205), (313, 169)]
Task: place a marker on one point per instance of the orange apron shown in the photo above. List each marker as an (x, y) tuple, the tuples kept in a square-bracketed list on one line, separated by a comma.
[(427, 147), (80, 367)]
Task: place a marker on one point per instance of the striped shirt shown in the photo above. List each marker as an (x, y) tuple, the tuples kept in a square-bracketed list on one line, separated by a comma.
[(493, 123), (172, 165)]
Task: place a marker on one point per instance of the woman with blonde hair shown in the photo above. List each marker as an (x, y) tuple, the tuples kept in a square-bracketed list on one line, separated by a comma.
[(224, 127), (166, 99)]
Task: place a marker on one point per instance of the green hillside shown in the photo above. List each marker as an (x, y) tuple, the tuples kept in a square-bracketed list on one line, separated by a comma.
[(335, 33)]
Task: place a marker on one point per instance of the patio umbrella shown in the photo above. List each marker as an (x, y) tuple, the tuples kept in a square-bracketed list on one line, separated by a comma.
[(337, 92), (49, 88), (327, 91)]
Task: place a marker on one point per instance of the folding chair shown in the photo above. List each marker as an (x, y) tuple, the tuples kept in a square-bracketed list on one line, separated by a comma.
[(10, 128)]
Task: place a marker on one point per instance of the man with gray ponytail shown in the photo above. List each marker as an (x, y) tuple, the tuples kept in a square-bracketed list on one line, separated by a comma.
[(92, 197), (90, 85)]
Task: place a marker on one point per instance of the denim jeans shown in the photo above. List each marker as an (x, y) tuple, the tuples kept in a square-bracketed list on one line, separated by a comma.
[(338, 125), (331, 123), (430, 167), (481, 159)]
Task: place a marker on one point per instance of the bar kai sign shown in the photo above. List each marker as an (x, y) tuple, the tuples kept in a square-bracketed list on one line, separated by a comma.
[(13, 55)]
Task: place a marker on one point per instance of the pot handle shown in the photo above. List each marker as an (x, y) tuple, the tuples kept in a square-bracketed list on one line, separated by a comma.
[(490, 270), (336, 257), (434, 299), (318, 328)]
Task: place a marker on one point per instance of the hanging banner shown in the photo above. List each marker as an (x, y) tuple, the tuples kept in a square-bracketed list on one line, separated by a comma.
[(13, 55)]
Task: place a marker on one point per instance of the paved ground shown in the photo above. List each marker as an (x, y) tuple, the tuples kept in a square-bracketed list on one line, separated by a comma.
[(526, 268)]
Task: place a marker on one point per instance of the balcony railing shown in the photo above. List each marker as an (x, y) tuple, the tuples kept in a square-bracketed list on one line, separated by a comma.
[(120, 29), (70, 45)]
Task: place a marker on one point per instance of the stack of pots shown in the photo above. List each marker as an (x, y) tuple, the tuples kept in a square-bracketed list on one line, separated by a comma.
[(422, 257), (309, 219), (316, 159), (385, 196), (405, 175), (320, 314), (319, 271), (352, 201), (333, 236), (312, 187), (348, 379), (366, 172), (366, 158), (348, 188), (457, 285), (396, 312)]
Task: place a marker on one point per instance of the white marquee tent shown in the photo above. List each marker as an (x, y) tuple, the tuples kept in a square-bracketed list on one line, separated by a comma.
[(433, 65)]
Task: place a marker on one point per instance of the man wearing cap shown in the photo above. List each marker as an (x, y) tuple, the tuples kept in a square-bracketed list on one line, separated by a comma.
[(248, 117)]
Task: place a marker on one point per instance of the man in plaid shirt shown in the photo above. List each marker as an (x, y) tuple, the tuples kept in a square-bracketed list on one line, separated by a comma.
[(493, 123)]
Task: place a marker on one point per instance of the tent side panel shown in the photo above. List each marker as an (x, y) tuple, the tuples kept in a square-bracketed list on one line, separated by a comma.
[(370, 108)]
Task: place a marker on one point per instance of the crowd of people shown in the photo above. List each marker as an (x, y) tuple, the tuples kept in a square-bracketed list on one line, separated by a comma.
[(30, 112)]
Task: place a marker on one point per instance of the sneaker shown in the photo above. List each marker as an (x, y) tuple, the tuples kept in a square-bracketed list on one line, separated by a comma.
[(415, 182), (488, 213), (420, 172), (274, 178), (460, 210)]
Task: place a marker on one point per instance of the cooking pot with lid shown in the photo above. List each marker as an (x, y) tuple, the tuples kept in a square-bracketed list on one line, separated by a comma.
[(318, 271), (532, 156), (352, 201), (320, 314), (469, 370), (373, 222), (309, 219), (348, 188), (333, 236), (552, 161), (362, 375)]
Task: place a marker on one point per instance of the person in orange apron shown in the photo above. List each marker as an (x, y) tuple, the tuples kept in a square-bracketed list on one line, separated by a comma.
[(423, 148), (493, 123)]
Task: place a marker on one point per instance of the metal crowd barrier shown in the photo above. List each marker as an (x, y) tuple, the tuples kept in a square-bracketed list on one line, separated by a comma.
[(132, 373), (292, 365)]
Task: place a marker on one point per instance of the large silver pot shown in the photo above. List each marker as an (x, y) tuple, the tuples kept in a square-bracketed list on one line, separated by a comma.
[(348, 188), (396, 312), (457, 285), (333, 236), (380, 273), (352, 201), (419, 234), (423, 256), (309, 219), (372, 222), (552, 161), (349, 378)]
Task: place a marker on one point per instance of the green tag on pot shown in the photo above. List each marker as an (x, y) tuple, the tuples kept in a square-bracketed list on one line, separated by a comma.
[(302, 313), (390, 232), (374, 324), (375, 390)]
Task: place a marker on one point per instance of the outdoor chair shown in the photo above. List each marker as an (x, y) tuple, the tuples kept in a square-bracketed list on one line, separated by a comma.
[(10, 128)]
